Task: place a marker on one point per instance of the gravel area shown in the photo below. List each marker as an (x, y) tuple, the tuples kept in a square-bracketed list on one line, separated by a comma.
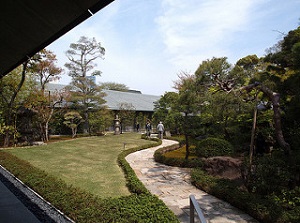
[(42, 209)]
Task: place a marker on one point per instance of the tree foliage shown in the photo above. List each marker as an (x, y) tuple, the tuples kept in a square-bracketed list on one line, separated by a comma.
[(114, 86), (40, 102), (82, 56), (163, 110), (73, 120), (12, 94), (84, 91), (126, 114), (45, 68)]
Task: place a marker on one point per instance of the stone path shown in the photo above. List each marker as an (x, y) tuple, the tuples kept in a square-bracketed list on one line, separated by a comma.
[(172, 185)]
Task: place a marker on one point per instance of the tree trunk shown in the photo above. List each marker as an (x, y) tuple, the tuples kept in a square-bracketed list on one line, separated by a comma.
[(11, 104), (46, 132), (187, 147), (226, 133), (47, 123), (42, 128), (74, 132), (274, 98), (277, 124), (86, 121), (252, 137)]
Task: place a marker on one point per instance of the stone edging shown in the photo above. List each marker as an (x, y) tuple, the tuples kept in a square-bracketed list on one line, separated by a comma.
[(166, 149), (53, 213)]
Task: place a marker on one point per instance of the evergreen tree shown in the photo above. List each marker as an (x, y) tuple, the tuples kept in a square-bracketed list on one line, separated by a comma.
[(86, 95)]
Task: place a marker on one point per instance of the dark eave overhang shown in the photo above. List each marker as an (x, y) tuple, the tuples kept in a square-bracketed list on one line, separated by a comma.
[(28, 26)]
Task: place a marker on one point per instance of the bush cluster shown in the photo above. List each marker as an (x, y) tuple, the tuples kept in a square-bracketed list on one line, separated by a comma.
[(271, 175), (82, 206), (267, 209), (213, 147)]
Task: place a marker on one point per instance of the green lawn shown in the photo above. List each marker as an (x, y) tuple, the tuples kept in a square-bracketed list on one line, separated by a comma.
[(88, 163)]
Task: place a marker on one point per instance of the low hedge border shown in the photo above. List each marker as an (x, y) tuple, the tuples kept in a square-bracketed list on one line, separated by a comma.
[(82, 206), (133, 183)]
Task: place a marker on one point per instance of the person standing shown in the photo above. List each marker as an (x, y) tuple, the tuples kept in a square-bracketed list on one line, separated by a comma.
[(148, 128), (160, 128)]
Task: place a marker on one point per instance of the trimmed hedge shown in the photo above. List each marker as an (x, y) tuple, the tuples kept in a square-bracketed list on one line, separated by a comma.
[(82, 206), (133, 183), (213, 147)]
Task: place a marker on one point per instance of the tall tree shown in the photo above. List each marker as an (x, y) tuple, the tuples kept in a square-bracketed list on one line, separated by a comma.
[(41, 102), (11, 86), (265, 82), (220, 74), (163, 110), (188, 104), (44, 105), (126, 114), (82, 56), (217, 79)]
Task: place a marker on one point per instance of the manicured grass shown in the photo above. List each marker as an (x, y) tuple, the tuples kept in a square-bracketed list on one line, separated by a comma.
[(180, 153), (88, 163), (84, 207)]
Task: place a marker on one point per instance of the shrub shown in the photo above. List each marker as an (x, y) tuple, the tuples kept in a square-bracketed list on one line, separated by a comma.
[(213, 147), (270, 175), (133, 183), (263, 208)]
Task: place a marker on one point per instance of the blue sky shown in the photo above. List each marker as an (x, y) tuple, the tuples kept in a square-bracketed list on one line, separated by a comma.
[(149, 42)]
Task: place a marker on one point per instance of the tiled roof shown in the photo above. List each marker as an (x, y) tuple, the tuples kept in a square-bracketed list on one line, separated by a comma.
[(141, 102), (114, 99), (55, 87)]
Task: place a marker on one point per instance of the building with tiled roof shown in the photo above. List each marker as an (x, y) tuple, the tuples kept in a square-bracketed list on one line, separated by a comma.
[(114, 99), (140, 102)]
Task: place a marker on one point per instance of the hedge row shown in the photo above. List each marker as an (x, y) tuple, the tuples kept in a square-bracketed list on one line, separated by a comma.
[(132, 182), (82, 206)]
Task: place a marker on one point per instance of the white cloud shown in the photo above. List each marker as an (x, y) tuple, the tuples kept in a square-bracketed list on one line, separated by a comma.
[(149, 42), (201, 29)]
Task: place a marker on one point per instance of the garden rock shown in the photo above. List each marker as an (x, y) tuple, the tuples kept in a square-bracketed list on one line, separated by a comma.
[(224, 167)]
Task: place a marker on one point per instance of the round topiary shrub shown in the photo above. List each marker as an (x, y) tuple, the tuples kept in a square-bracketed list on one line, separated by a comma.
[(213, 147)]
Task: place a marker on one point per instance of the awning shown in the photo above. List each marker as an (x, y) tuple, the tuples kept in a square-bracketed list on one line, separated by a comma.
[(28, 26)]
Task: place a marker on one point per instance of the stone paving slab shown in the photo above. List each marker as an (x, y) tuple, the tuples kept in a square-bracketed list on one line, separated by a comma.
[(173, 186)]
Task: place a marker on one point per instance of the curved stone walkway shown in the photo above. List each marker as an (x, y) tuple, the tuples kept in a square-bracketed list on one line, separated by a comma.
[(172, 185)]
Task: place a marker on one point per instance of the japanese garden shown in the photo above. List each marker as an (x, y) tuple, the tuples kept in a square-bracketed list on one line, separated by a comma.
[(238, 128)]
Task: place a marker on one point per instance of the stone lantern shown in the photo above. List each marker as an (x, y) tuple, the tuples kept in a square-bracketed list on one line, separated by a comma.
[(117, 125)]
